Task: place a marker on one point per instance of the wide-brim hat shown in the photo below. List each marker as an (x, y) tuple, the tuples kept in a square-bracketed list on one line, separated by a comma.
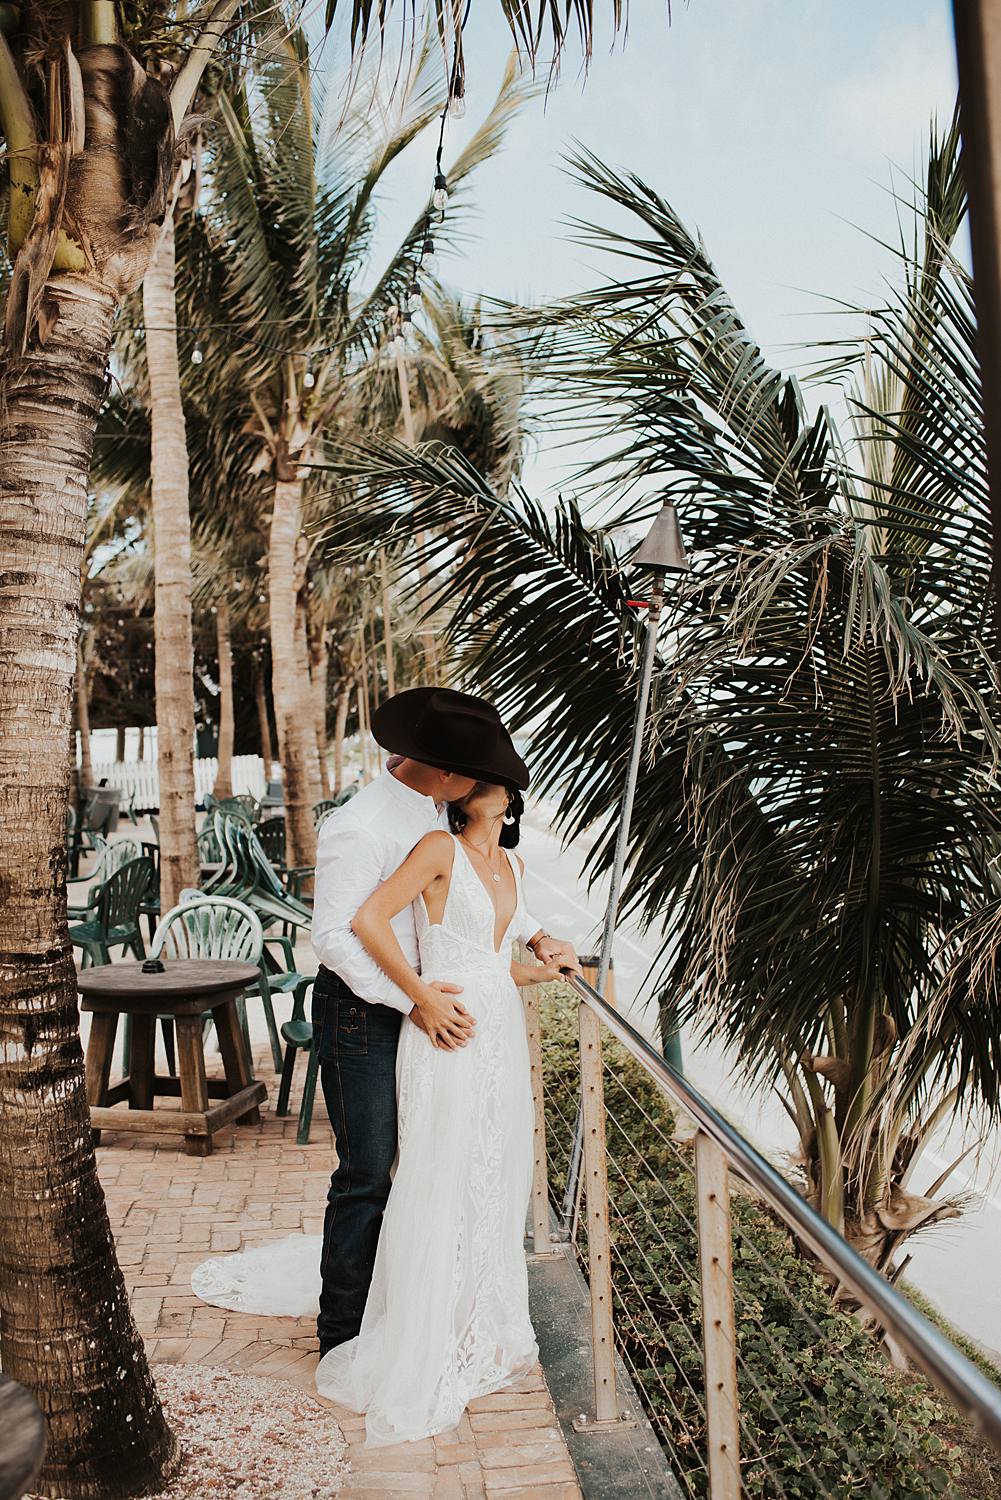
[(452, 732)]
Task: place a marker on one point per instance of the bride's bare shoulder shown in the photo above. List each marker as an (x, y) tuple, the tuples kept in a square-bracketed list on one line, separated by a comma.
[(437, 847)]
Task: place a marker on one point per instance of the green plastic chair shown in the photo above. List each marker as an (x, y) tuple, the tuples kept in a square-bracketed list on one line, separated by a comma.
[(271, 834), (110, 857), (298, 1035), (116, 923), (206, 922)]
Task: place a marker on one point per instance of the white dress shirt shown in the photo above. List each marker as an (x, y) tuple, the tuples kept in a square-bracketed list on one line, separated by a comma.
[(359, 846)]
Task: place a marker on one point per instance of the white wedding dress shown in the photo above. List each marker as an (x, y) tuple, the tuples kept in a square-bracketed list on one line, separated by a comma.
[(447, 1313)]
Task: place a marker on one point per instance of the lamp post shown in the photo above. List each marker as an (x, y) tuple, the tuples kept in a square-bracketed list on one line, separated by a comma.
[(662, 552)]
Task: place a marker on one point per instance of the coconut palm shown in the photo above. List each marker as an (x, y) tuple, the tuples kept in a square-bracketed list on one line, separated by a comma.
[(285, 245), (817, 817), (90, 141)]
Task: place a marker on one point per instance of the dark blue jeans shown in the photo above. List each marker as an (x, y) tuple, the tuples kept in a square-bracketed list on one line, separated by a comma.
[(357, 1051)]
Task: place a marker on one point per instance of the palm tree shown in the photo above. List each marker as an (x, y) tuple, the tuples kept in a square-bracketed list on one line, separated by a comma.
[(530, 28), (90, 142), (292, 217), (817, 817)]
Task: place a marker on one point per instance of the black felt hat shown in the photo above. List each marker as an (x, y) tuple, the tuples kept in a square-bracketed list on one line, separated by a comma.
[(451, 731)]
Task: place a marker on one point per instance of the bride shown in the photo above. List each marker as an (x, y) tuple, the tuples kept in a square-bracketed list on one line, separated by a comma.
[(447, 1313)]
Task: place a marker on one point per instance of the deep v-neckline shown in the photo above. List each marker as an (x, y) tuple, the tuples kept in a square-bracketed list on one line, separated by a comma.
[(490, 900)]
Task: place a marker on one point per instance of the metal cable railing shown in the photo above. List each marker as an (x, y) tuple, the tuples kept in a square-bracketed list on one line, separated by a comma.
[(731, 1344)]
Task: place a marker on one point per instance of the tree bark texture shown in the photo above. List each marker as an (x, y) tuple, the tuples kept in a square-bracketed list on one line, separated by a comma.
[(66, 1331), (267, 748), (224, 771), (82, 698), (340, 725), (307, 700), (319, 673), (175, 693), (387, 623), (294, 722)]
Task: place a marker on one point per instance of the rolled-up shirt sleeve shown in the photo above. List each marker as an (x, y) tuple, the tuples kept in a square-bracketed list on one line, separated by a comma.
[(348, 869)]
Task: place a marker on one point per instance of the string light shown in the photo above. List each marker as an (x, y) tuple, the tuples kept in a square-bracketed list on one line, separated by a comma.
[(439, 197), (415, 298), (196, 355), (309, 379), (457, 106)]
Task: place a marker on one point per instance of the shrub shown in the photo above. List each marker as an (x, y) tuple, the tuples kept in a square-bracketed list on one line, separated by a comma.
[(822, 1412)]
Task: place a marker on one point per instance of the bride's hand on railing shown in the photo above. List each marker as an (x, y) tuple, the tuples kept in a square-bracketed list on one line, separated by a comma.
[(558, 953)]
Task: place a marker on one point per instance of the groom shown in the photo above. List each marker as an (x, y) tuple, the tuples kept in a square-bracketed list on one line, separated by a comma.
[(447, 742)]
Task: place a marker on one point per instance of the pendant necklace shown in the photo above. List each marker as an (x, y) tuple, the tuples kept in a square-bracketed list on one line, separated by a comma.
[(493, 875)]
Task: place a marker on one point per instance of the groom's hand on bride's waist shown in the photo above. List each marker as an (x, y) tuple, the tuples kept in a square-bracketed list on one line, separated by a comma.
[(447, 1022)]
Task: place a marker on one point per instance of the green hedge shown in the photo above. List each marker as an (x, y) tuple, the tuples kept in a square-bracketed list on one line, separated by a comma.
[(822, 1412)]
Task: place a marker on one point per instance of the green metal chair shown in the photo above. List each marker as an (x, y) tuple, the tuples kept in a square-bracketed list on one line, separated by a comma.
[(323, 809), (116, 922), (298, 1035)]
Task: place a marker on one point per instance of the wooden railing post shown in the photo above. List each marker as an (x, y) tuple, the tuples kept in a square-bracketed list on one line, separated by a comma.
[(719, 1342), (599, 1248), (542, 1241)]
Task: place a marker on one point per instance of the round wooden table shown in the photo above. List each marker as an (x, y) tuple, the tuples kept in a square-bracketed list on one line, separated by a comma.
[(185, 990), (22, 1439)]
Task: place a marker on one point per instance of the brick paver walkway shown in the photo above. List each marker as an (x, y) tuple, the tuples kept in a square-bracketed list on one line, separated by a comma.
[(170, 1211)]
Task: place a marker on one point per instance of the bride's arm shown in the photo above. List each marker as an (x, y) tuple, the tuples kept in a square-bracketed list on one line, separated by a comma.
[(446, 1022)]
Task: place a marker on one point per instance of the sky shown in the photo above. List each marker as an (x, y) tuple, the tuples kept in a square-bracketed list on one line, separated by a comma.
[(776, 128)]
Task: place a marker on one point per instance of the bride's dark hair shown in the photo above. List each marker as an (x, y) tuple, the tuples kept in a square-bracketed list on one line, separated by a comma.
[(510, 832)]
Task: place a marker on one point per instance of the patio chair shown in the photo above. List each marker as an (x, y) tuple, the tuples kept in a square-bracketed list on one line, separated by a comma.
[(323, 809), (116, 920), (298, 1035), (244, 806), (203, 926), (271, 834), (110, 857)]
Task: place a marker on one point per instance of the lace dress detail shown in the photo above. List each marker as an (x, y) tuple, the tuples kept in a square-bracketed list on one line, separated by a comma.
[(447, 1313)]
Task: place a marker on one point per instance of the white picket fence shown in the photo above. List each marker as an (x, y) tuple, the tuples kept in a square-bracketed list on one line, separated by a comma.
[(139, 783)]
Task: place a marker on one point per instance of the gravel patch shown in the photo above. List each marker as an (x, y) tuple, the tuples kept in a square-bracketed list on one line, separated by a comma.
[(247, 1438)]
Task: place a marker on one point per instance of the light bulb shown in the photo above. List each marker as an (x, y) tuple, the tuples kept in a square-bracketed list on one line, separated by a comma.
[(398, 343), (457, 106), (439, 198), (415, 301), (196, 355), (309, 380)]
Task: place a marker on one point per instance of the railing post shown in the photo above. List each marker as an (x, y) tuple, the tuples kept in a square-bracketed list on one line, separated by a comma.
[(542, 1241), (719, 1344), (599, 1248)]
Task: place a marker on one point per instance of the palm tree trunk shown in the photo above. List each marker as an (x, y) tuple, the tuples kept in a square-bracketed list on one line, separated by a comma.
[(307, 699), (224, 769), (175, 694), (83, 718), (319, 652), (66, 1331), (119, 744), (296, 733), (141, 746), (340, 725), (264, 726), (387, 623), (363, 720)]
